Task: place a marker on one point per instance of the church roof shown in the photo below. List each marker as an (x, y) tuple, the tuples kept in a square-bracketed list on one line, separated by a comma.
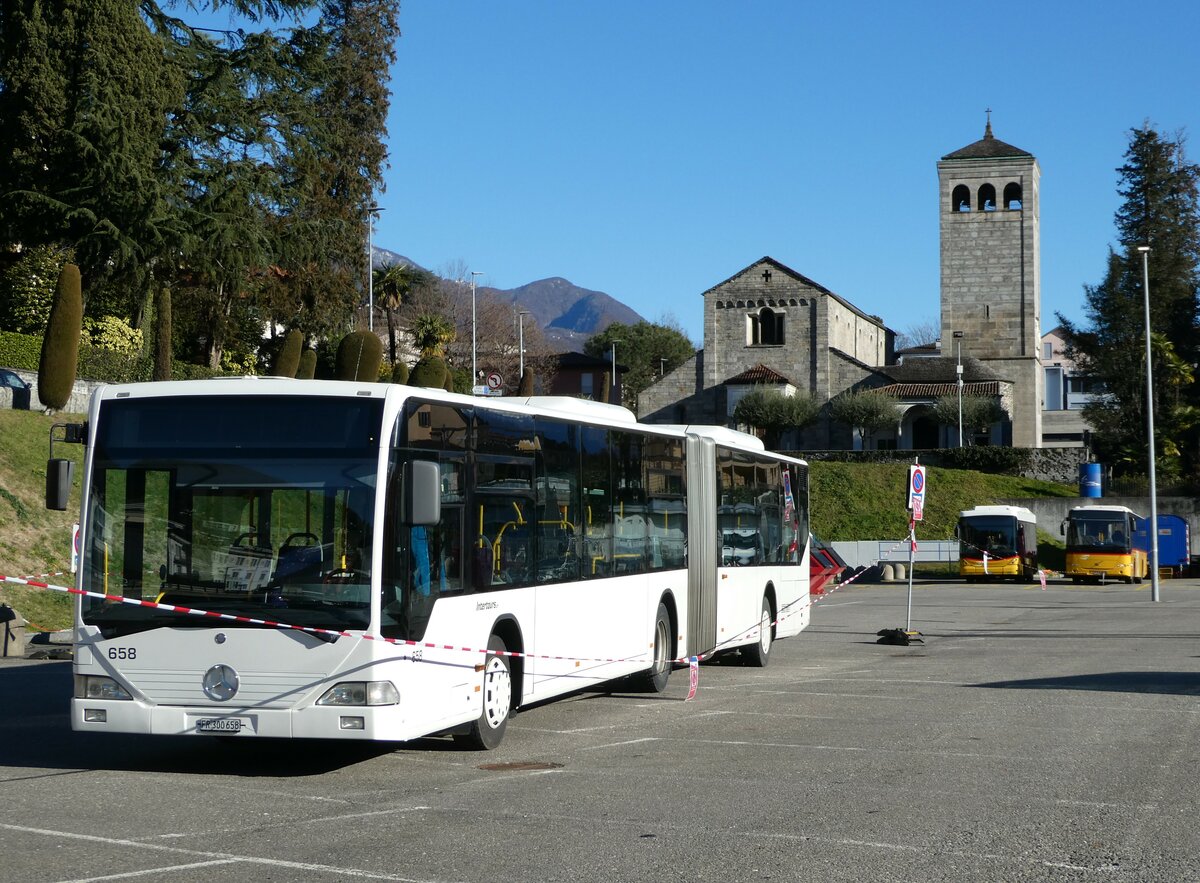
[(988, 147), (758, 374), (934, 390), (799, 277), (940, 370)]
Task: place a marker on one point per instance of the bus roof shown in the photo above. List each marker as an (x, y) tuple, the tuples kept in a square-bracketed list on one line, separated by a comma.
[(1084, 511), (1018, 512), (582, 410)]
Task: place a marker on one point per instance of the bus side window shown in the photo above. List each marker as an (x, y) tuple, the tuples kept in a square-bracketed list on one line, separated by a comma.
[(597, 510)]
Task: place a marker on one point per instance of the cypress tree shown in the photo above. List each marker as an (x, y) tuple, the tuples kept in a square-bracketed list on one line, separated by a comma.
[(429, 371), (162, 335), (526, 388), (359, 356), (308, 364), (60, 345), (287, 360), (400, 372)]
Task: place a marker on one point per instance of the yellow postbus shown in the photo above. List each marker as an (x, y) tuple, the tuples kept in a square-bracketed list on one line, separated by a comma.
[(1100, 545), (997, 542)]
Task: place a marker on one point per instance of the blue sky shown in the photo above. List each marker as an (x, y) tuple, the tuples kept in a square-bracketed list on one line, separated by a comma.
[(652, 149)]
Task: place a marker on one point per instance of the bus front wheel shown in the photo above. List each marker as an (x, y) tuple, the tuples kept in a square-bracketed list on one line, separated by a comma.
[(758, 653), (487, 732)]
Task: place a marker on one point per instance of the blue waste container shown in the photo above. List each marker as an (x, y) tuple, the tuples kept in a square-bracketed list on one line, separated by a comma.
[(1091, 477)]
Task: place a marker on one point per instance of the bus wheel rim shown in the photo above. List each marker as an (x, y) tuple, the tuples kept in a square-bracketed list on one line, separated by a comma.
[(497, 692), (660, 646)]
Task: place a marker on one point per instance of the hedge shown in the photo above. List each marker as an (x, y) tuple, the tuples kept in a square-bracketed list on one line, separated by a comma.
[(23, 351)]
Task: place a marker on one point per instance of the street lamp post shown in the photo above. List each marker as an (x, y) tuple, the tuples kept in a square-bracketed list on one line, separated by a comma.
[(474, 368), (1153, 526), (372, 213), (958, 336), (521, 341), (614, 362)]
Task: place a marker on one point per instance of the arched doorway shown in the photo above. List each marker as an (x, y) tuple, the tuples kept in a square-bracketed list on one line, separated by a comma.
[(924, 432)]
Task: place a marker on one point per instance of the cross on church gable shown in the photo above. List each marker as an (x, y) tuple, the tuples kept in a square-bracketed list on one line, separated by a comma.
[(766, 275)]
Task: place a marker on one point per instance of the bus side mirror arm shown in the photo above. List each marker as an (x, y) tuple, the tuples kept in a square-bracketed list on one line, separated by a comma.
[(421, 493)]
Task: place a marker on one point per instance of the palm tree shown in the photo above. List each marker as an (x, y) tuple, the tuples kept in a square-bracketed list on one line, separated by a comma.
[(395, 284), (430, 334)]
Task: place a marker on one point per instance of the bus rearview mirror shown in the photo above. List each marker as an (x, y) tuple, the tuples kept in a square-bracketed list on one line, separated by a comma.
[(60, 472), (421, 493)]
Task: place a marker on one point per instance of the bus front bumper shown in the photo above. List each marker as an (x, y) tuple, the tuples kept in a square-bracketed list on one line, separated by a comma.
[(314, 722)]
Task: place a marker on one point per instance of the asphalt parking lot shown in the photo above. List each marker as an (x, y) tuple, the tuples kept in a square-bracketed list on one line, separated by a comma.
[(1034, 735)]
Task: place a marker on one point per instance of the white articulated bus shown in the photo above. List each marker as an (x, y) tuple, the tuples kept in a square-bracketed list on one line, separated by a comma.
[(440, 559)]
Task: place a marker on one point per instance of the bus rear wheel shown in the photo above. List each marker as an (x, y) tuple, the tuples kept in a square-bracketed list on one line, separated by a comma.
[(487, 732), (654, 679), (759, 653)]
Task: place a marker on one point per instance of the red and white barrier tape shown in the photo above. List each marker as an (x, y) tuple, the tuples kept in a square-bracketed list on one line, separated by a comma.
[(899, 545), (269, 623)]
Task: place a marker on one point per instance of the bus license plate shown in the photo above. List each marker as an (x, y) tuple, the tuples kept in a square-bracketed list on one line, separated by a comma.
[(219, 725)]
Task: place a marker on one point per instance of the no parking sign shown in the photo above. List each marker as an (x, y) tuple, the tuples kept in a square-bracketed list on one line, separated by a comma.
[(916, 491)]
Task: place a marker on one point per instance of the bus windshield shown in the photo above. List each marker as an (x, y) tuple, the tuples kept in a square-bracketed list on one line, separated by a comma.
[(1099, 532), (252, 507), (994, 534)]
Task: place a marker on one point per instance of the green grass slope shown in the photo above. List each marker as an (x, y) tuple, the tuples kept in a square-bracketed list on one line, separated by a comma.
[(33, 539), (865, 501)]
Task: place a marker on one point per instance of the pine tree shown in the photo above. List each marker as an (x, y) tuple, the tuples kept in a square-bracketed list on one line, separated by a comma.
[(1160, 209), (86, 92), (334, 164)]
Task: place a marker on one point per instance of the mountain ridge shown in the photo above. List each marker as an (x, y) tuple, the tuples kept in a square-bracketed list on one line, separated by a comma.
[(567, 313)]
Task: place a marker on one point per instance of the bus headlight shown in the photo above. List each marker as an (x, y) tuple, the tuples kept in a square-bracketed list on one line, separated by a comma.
[(98, 687), (361, 693)]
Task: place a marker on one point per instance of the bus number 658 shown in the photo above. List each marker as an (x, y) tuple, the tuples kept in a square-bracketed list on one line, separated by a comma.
[(122, 653)]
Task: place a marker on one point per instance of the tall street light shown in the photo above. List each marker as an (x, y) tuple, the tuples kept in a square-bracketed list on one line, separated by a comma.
[(372, 213), (474, 368), (958, 336), (614, 362), (521, 340), (1153, 527)]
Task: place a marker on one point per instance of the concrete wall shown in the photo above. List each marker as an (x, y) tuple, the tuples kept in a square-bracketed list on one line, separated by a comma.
[(1051, 511), (81, 394), (864, 553)]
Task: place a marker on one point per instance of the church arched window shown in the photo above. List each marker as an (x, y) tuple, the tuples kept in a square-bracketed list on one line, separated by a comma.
[(1012, 195), (987, 198), (764, 328), (960, 201)]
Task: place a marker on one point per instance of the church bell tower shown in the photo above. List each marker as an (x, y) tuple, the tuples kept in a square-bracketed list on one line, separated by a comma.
[(991, 278)]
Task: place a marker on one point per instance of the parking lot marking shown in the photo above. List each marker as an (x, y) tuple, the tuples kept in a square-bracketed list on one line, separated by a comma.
[(153, 871), (907, 847), (619, 744), (231, 857)]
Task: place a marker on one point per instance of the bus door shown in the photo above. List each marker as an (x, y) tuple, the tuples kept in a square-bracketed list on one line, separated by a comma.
[(702, 556)]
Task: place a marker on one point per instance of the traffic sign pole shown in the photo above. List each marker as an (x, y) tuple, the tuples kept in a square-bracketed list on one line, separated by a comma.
[(915, 504)]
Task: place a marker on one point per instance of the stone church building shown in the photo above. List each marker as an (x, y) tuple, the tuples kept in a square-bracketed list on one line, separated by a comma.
[(770, 326)]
